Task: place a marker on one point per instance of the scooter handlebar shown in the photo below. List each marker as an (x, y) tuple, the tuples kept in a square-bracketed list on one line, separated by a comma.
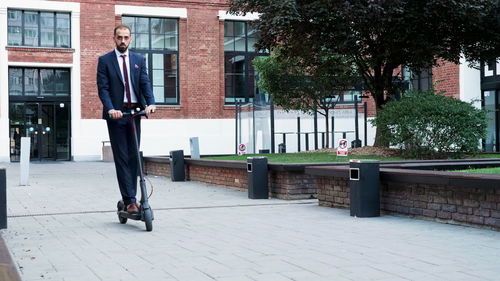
[(134, 113)]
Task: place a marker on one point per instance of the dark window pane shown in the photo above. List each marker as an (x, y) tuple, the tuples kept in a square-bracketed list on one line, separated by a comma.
[(63, 30), (15, 28), (62, 82), (129, 21), (30, 28), (47, 29), (157, 41), (15, 81), (142, 25), (229, 44), (239, 28), (31, 82), (142, 41), (229, 28), (47, 85)]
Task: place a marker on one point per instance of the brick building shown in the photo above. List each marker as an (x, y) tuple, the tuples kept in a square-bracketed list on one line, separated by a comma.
[(199, 62)]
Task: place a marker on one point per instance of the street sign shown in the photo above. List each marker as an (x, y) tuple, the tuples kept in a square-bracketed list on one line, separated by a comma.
[(242, 149), (342, 149)]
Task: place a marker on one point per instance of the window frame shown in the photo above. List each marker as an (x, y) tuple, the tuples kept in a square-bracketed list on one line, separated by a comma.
[(39, 29), (148, 54), (53, 97), (248, 56)]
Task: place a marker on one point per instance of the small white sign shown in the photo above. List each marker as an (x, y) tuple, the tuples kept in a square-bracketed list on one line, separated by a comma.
[(342, 148), (242, 149)]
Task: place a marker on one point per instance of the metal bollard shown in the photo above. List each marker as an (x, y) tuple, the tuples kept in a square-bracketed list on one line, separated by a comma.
[(177, 172), (364, 176), (257, 178), (3, 199)]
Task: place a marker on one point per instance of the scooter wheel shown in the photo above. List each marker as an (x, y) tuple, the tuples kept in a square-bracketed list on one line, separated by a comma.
[(148, 219), (121, 206), (122, 220)]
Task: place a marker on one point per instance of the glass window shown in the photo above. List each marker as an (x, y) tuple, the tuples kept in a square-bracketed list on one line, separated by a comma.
[(38, 29), (15, 26), (39, 82), (157, 40), (239, 78), (15, 82)]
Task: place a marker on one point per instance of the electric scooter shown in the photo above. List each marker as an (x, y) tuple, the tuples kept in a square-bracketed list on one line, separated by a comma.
[(145, 213)]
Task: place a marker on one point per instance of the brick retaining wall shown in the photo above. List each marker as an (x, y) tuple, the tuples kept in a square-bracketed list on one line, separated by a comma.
[(478, 206), (456, 198), (282, 184)]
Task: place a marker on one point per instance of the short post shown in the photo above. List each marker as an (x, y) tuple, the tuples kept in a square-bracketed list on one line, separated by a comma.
[(195, 147), (364, 181), (333, 132), (365, 109), (177, 172), (3, 199), (25, 160), (298, 133), (257, 178)]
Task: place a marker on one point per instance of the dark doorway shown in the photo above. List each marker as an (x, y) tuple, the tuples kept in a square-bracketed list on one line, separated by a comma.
[(48, 126)]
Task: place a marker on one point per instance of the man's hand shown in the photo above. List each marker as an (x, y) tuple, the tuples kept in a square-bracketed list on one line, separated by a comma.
[(149, 109), (115, 114)]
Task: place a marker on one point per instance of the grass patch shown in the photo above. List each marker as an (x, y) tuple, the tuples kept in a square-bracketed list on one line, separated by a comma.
[(306, 157), (494, 170), (321, 157)]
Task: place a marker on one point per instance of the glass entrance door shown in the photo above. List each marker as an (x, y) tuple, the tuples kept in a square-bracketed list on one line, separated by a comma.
[(47, 124)]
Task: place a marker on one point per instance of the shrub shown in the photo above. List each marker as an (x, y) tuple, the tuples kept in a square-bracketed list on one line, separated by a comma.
[(428, 125)]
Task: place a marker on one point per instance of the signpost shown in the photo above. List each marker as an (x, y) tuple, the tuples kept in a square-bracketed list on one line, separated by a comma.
[(342, 149), (242, 149)]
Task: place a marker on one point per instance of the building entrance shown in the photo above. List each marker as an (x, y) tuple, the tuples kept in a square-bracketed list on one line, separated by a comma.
[(48, 126)]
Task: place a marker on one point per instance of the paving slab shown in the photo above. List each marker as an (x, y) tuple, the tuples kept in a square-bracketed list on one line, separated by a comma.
[(63, 226)]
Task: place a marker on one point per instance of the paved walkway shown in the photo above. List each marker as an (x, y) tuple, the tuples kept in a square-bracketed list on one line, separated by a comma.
[(64, 227)]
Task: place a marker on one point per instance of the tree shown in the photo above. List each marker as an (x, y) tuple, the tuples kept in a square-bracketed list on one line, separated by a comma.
[(315, 88), (378, 36)]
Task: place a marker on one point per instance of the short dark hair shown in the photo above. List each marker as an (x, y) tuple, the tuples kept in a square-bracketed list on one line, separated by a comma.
[(121, 26)]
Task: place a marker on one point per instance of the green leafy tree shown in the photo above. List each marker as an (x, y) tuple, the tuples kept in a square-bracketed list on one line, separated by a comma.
[(425, 124), (378, 36), (308, 89)]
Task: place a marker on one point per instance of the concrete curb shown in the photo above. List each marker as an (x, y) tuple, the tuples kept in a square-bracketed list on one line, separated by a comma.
[(8, 270)]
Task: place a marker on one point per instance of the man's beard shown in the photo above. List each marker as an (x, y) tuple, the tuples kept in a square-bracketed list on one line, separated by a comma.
[(121, 48)]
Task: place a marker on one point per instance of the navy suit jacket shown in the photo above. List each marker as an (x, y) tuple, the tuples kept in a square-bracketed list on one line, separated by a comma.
[(111, 86)]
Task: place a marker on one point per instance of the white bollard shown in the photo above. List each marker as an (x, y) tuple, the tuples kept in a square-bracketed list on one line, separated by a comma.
[(25, 160), (195, 148)]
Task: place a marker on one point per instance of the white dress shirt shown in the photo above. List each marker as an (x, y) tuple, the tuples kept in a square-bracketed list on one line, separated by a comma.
[(133, 97)]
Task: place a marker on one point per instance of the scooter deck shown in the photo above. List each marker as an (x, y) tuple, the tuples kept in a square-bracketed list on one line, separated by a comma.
[(125, 214)]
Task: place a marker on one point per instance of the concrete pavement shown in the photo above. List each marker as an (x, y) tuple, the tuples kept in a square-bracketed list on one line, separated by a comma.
[(63, 226)]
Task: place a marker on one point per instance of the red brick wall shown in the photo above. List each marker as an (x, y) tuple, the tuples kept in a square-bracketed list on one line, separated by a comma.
[(200, 47), (451, 204), (97, 21), (446, 78), (282, 185), (43, 55)]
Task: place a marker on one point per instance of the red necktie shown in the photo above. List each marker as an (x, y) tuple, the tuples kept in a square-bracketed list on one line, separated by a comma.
[(127, 86)]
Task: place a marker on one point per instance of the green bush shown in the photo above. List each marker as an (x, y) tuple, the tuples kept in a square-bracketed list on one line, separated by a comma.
[(429, 125)]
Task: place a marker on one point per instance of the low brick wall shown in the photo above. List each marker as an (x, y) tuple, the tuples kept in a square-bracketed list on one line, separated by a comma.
[(467, 202), (457, 198), (283, 183)]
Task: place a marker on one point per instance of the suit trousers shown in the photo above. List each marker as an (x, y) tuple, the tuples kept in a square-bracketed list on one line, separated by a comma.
[(125, 155)]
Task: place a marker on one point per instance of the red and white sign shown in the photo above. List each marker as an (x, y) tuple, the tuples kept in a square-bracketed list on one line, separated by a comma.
[(242, 149), (342, 149)]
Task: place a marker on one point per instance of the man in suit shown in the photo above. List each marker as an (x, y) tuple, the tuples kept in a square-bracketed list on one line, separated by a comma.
[(123, 85)]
